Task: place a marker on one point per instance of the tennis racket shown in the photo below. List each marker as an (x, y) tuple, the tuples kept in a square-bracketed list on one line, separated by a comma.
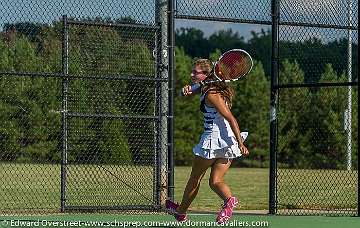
[(233, 65)]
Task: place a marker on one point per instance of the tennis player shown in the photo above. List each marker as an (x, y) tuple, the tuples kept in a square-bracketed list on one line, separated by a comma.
[(220, 143)]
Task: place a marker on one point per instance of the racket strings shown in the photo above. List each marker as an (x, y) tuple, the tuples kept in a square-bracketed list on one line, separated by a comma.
[(233, 65)]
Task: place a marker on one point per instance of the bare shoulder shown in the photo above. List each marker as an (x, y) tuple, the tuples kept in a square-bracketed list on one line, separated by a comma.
[(213, 98)]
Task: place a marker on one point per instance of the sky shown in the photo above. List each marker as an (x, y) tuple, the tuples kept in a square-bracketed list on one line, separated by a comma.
[(210, 27), (46, 11), (143, 10)]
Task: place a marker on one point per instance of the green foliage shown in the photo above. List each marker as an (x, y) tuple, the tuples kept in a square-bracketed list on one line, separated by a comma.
[(293, 139), (224, 40), (260, 47), (313, 137), (23, 55), (9, 131), (193, 41), (30, 107), (5, 58), (30, 104), (188, 118), (215, 55), (183, 66), (311, 53), (251, 108), (113, 56), (311, 120)]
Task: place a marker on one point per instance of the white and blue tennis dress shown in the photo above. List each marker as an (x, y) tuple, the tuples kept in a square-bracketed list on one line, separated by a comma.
[(218, 139)]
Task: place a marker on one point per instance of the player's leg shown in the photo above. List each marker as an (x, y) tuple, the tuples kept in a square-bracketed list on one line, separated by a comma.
[(217, 184), (216, 181), (199, 167)]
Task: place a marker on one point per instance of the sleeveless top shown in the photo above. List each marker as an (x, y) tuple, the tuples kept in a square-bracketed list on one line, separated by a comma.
[(217, 131)]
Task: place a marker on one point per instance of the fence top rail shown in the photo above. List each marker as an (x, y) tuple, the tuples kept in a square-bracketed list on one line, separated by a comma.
[(88, 76), (264, 22), (223, 19), (323, 84), (119, 25)]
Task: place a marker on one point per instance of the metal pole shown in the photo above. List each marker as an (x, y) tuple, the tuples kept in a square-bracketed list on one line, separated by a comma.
[(349, 108), (65, 83), (157, 125), (171, 43), (358, 156), (275, 12), (161, 19)]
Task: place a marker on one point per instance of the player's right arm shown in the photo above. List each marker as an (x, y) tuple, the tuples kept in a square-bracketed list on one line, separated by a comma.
[(186, 90)]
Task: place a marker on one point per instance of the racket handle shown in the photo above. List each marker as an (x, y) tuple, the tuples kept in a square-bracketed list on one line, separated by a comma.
[(194, 87)]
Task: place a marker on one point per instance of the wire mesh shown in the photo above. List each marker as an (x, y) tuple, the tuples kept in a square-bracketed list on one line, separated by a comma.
[(109, 166), (328, 12), (30, 130), (80, 102), (111, 50), (317, 154), (313, 175), (225, 10), (318, 47), (314, 48), (72, 96)]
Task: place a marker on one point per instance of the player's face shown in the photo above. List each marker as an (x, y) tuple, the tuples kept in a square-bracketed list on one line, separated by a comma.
[(197, 75)]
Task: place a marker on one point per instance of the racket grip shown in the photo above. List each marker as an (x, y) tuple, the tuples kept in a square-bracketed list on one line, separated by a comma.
[(194, 87)]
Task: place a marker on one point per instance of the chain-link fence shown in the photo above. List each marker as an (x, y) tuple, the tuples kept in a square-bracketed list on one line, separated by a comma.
[(85, 111), (82, 106), (314, 98), (317, 153)]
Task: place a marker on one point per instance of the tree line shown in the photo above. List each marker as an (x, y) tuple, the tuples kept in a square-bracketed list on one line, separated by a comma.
[(31, 107), (311, 131), (311, 53), (311, 121)]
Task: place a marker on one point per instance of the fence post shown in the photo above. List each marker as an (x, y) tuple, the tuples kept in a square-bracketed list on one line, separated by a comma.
[(348, 111), (275, 13), (171, 43), (358, 155), (161, 19), (65, 84)]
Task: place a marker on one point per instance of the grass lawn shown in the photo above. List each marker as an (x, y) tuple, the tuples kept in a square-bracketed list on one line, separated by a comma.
[(30, 186), (250, 185)]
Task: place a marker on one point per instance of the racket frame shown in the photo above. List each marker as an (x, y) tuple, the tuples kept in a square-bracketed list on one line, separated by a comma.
[(198, 85)]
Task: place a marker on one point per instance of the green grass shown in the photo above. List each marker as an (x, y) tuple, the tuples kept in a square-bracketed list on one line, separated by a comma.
[(27, 186), (317, 189), (195, 220), (326, 190), (250, 185), (30, 186)]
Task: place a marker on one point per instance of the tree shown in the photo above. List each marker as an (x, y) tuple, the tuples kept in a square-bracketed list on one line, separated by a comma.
[(330, 148), (250, 107), (5, 58), (188, 118), (193, 42), (294, 147), (225, 40), (259, 47)]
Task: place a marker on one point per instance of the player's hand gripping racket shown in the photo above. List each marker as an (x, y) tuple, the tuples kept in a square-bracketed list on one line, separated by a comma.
[(233, 65)]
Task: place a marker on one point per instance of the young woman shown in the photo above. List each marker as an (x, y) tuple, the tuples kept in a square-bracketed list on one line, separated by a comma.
[(219, 144)]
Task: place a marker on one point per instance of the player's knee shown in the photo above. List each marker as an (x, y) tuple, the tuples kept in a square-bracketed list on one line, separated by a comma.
[(213, 183)]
